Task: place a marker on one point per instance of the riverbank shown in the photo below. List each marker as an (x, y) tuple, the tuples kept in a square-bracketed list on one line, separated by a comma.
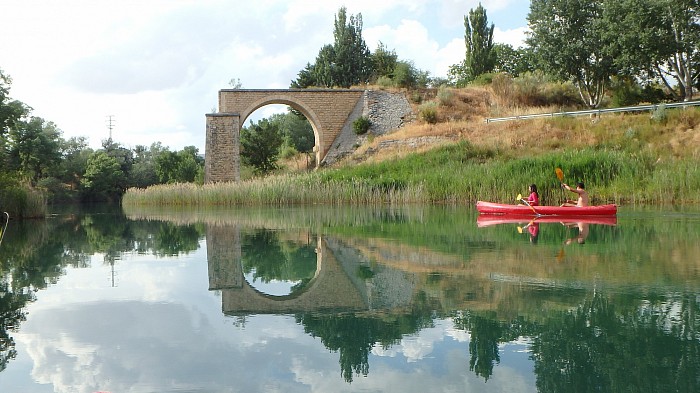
[(454, 174), (20, 200), (637, 158)]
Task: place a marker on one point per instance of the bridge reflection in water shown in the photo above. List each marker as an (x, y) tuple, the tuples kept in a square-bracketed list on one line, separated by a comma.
[(335, 286)]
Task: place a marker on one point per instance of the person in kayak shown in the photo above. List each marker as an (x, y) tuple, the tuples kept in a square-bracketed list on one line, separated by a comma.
[(582, 233), (534, 198), (534, 230), (582, 195)]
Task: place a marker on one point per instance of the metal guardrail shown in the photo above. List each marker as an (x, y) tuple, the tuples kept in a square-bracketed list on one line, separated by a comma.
[(598, 111)]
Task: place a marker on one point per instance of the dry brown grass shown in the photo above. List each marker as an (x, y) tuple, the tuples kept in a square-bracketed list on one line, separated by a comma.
[(464, 116)]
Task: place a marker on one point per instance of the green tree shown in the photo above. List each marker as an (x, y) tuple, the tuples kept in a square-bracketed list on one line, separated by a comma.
[(325, 74), (657, 39), (103, 178), (11, 110), (345, 63), (295, 129), (568, 37), (512, 61), (260, 144), (34, 147), (305, 78), (65, 181), (184, 166), (479, 41), (353, 64), (407, 75), (384, 61), (191, 164), (480, 57), (143, 172), (166, 166)]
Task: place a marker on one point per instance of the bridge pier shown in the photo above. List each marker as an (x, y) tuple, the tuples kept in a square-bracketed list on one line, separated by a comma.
[(224, 257), (222, 161)]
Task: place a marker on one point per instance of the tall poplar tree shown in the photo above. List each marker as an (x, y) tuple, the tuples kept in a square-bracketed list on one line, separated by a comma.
[(353, 63), (345, 63), (478, 38)]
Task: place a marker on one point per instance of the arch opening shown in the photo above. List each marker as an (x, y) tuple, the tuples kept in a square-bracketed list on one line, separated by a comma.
[(299, 135), (278, 263)]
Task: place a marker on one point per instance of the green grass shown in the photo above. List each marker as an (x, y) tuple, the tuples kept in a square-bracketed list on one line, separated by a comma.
[(455, 174)]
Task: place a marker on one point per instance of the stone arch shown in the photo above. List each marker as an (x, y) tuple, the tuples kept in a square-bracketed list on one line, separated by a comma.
[(282, 99), (330, 289), (289, 297), (330, 112)]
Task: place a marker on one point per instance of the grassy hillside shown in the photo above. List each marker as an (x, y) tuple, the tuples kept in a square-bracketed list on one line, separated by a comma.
[(459, 158), (462, 114)]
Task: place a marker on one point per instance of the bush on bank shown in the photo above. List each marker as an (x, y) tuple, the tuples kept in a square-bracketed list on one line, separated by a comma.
[(18, 199)]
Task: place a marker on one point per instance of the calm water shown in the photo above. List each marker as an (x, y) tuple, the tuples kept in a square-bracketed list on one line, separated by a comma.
[(329, 300)]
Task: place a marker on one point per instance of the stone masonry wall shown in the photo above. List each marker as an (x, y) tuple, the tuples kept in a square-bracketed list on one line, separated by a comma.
[(386, 112), (331, 112), (222, 149)]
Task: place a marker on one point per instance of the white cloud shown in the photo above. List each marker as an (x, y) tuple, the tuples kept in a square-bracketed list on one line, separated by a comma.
[(515, 37), (158, 65)]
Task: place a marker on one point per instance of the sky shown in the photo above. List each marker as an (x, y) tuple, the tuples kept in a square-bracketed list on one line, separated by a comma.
[(153, 68), (160, 329)]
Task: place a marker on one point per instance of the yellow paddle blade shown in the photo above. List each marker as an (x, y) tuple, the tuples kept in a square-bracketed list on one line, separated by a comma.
[(560, 255), (519, 197), (560, 174), (520, 230)]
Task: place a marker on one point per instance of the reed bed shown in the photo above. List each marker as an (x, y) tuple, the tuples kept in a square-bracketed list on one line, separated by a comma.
[(20, 200), (280, 190), (454, 174)]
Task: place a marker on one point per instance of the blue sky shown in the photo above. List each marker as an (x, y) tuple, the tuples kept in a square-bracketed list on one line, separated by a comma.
[(157, 65)]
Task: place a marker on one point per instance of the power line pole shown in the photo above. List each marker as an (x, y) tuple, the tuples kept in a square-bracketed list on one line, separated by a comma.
[(110, 125)]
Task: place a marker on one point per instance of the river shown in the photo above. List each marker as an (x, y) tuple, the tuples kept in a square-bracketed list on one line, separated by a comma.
[(349, 299)]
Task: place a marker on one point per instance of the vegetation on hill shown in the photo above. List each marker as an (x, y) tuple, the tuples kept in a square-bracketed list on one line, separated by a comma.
[(623, 158), (578, 56)]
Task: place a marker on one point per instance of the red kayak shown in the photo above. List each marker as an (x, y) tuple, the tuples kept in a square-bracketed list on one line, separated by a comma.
[(493, 219), (524, 210)]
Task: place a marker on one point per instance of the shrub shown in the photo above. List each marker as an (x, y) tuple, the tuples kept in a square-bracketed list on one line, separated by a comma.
[(538, 89), (445, 95), (405, 74), (19, 199), (483, 79), (361, 125), (416, 97), (561, 94), (428, 112), (660, 114), (625, 92), (502, 86), (385, 81), (653, 93), (56, 191), (287, 152)]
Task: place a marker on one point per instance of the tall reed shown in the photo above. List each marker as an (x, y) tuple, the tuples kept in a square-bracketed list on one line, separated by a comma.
[(455, 174), (19, 199)]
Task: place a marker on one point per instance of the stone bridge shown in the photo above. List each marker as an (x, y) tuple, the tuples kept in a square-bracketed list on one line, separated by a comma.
[(335, 285), (330, 112)]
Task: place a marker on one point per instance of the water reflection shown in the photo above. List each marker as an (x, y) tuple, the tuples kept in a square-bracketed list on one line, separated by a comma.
[(619, 313)]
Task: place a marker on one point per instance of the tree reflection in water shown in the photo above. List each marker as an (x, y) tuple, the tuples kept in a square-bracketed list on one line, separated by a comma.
[(266, 258), (354, 336), (607, 339), (35, 254)]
